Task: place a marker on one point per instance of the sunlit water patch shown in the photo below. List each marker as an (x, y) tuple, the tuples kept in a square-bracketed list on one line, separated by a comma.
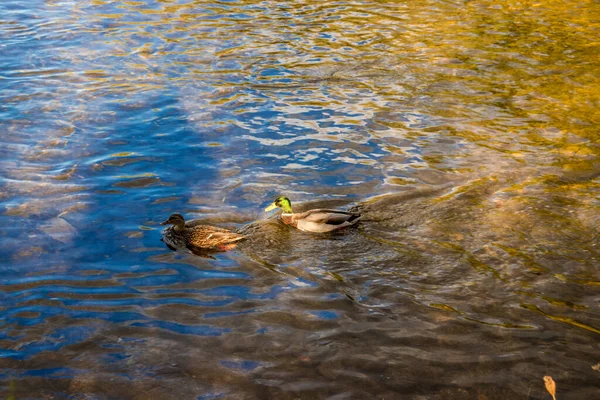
[(465, 133)]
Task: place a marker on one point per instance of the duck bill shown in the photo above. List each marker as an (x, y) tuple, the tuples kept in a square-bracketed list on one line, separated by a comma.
[(165, 222), (271, 207)]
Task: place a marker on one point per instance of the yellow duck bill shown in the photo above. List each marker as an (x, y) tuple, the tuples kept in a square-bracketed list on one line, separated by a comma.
[(271, 207)]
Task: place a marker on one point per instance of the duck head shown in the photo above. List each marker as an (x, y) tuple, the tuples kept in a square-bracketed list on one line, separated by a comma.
[(175, 219), (281, 202)]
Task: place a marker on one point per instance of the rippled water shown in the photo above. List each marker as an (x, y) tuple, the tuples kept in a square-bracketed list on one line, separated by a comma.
[(465, 132)]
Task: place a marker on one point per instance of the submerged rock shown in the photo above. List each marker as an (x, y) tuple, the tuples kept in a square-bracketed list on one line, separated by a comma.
[(59, 229)]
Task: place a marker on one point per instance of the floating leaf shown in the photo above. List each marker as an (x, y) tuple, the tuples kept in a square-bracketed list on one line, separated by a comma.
[(336, 276), (550, 386)]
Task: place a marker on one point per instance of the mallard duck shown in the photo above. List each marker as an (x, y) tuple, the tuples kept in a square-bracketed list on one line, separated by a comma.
[(318, 220), (180, 236)]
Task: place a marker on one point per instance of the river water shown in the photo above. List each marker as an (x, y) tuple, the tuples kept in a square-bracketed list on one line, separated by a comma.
[(466, 132)]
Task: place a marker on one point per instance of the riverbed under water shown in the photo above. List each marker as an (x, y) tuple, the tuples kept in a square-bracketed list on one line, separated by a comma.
[(465, 132)]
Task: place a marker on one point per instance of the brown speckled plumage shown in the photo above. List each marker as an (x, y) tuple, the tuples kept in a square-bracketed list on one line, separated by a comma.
[(181, 236)]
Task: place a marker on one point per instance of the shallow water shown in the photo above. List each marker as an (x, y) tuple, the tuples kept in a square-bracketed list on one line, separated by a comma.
[(465, 132)]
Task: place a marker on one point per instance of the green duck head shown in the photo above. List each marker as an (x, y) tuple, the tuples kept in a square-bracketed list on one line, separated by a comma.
[(282, 202), (175, 219)]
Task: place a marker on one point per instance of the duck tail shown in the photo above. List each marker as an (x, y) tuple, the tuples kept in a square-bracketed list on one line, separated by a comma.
[(237, 238), (354, 218)]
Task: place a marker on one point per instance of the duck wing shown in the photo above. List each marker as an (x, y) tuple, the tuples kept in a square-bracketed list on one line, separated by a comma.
[(323, 220), (211, 236), (225, 236), (329, 217)]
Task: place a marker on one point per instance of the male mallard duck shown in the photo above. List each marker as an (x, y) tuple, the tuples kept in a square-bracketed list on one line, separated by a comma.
[(180, 236), (319, 220)]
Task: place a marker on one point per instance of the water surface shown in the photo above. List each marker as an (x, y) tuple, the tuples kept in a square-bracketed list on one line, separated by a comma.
[(465, 132)]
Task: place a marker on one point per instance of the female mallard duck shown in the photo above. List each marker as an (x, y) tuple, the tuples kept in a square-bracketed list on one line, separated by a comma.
[(180, 236), (319, 220)]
